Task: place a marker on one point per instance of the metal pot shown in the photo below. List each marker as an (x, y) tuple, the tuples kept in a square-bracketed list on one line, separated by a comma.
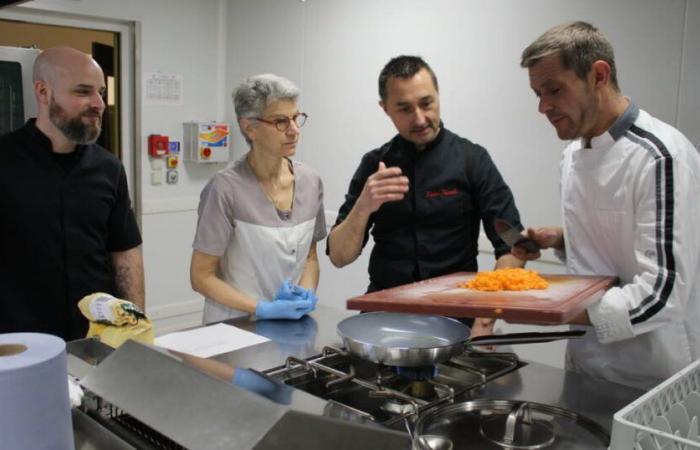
[(412, 340), (505, 424)]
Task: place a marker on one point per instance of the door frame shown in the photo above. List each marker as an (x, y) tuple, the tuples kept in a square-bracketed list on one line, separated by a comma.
[(128, 33)]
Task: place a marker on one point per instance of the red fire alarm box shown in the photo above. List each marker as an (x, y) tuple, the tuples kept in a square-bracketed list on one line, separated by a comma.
[(157, 145)]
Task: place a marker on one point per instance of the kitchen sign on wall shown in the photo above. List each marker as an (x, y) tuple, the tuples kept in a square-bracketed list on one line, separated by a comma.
[(163, 89)]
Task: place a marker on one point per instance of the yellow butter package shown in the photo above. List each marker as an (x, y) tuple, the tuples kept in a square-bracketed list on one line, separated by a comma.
[(115, 320)]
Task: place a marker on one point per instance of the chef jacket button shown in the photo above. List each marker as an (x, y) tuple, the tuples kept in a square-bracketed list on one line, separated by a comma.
[(293, 251), (649, 253)]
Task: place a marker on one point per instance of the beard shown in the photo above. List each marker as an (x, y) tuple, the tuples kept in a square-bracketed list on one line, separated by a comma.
[(73, 127)]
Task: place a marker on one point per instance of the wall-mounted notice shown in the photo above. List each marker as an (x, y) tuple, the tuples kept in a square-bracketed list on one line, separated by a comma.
[(163, 89)]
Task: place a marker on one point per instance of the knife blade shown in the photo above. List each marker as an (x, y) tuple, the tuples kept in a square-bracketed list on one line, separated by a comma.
[(512, 236)]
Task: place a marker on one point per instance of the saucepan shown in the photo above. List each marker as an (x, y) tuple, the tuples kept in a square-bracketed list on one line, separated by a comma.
[(413, 340)]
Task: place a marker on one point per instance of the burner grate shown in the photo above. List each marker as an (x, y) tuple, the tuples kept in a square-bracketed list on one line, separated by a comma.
[(391, 394), (135, 431)]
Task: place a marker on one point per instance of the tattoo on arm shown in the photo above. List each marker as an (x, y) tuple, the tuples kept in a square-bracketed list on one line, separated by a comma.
[(128, 276)]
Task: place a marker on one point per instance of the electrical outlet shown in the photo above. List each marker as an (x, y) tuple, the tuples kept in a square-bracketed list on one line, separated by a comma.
[(157, 163), (157, 177), (171, 176)]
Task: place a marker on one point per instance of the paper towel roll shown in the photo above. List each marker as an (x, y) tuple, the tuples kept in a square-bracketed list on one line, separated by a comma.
[(34, 406)]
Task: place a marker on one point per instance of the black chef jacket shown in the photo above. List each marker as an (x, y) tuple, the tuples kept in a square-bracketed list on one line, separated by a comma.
[(57, 232), (434, 230)]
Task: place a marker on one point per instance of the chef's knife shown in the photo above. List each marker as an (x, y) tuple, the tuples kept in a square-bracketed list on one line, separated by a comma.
[(512, 236)]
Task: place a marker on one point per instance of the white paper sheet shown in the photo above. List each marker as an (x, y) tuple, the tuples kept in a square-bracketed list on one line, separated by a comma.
[(209, 341)]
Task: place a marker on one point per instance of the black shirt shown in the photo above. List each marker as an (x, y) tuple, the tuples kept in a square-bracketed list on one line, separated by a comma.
[(453, 187), (59, 224)]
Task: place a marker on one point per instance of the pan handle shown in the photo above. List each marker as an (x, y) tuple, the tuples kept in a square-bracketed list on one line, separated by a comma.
[(524, 338)]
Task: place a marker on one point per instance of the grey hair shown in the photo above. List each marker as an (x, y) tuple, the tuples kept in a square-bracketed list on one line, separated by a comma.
[(579, 45), (252, 96)]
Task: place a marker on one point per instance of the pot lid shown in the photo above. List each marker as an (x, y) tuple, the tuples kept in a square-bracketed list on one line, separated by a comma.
[(498, 424)]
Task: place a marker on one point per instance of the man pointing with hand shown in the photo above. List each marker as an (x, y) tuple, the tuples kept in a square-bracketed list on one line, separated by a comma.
[(423, 195), (384, 185)]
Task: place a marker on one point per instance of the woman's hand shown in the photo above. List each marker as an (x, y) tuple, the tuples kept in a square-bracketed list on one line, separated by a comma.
[(283, 309), (290, 302)]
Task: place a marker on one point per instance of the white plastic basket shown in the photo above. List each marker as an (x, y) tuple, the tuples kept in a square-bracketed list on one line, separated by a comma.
[(665, 418)]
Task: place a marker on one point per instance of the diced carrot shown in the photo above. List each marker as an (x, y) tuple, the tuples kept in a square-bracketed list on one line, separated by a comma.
[(506, 280)]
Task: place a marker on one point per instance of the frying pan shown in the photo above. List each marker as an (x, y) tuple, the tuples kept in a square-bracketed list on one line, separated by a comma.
[(412, 340)]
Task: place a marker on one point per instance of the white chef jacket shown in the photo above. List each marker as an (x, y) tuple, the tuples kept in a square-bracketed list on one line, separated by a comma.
[(631, 209)]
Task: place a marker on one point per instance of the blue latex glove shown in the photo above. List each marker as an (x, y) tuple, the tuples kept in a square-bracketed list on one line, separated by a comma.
[(308, 294), (260, 384), (286, 292), (283, 309), (294, 291), (289, 291)]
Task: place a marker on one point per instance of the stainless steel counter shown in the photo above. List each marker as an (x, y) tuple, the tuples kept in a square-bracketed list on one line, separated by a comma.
[(301, 338), (534, 382), (596, 399)]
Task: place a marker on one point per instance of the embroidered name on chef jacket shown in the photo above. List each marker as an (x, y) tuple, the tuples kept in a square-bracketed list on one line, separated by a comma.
[(444, 192)]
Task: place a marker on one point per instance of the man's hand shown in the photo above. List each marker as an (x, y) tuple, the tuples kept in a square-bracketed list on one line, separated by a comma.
[(385, 185), (546, 237), (483, 327), (508, 261), (346, 239)]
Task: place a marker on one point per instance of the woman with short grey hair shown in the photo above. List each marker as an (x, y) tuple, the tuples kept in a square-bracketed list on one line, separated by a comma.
[(252, 96), (261, 217)]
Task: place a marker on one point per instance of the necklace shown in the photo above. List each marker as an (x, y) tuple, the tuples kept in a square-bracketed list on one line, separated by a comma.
[(279, 195), (278, 190)]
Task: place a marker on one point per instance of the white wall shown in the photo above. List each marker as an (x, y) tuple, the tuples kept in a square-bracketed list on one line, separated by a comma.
[(334, 49), (689, 93)]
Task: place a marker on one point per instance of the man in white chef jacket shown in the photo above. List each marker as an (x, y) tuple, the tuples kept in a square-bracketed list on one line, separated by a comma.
[(629, 186)]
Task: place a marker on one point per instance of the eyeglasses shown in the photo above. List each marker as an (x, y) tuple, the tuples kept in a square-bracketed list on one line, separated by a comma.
[(283, 123)]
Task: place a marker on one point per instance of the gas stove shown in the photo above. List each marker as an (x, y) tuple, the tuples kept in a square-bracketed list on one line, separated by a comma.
[(429, 402), (363, 391), (459, 399)]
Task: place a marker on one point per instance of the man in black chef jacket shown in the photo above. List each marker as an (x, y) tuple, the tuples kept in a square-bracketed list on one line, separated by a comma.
[(423, 194), (66, 224)]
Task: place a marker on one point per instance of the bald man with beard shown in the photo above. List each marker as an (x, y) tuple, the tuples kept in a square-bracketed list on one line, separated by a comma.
[(66, 228)]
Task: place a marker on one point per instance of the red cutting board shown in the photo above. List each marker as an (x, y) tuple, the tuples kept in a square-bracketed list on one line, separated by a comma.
[(566, 297)]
